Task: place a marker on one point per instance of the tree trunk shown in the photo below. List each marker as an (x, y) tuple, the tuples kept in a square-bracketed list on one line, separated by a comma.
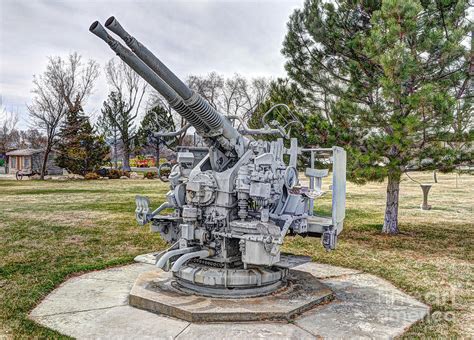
[(45, 162), (390, 224), (115, 156), (157, 164), (126, 158)]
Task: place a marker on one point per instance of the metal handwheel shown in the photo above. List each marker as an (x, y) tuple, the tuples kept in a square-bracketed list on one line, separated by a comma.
[(161, 176)]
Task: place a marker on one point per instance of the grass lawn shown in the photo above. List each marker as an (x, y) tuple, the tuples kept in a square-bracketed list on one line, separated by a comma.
[(51, 230)]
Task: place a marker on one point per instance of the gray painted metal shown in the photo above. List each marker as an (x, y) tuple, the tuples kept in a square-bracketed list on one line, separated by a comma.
[(148, 75), (200, 254), (234, 206), (201, 108), (135, 63), (234, 282), (339, 186), (250, 291), (150, 59), (162, 262)]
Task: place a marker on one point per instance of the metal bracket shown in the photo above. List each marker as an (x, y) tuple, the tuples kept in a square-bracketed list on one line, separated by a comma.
[(329, 238), (142, 211)]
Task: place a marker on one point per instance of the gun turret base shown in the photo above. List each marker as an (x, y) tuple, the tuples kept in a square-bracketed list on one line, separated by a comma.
[(156, 291), (200, 279)]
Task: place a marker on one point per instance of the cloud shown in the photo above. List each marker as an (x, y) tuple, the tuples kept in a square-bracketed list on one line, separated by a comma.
[(191, 37)]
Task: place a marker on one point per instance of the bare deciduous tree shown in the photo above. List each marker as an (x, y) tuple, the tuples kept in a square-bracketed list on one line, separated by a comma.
[(32, 139), (235, 96), (73, 80), (129, 89), (62, 88), (8, 132)]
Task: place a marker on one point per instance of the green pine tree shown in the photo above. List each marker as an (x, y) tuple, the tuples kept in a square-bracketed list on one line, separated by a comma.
[(80, 150), (157, 119), (383, 79), (119, 114), (110, 132)]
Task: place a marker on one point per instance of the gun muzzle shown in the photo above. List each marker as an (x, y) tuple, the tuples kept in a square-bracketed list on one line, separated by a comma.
[(199, 106), (99, 31), (150, 59), (149, 76)]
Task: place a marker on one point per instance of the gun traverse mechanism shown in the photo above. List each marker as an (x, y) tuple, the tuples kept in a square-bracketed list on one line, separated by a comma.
[(233, 205)]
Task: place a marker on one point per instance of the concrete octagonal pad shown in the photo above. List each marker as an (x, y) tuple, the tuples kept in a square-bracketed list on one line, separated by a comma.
[(153, 291), (95, 305)]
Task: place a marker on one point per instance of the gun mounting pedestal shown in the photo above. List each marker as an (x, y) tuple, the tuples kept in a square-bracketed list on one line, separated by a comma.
[(233, 204)]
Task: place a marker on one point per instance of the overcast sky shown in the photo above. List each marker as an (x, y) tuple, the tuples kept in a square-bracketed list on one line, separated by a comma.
[(191, 37)]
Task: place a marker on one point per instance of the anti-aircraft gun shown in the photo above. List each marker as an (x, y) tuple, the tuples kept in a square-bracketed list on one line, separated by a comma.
[(233, 207)]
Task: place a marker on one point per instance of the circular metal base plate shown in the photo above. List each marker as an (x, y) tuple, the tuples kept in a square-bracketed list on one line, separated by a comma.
[(155, 291), (203, 280)]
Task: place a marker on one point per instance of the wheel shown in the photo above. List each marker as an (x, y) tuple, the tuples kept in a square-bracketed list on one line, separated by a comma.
[(164, 171), (291, 177), (19, 176)]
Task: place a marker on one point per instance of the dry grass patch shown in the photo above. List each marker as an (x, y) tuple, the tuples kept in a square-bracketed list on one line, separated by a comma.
[(72, 219), (49, 230), (432, 258)]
